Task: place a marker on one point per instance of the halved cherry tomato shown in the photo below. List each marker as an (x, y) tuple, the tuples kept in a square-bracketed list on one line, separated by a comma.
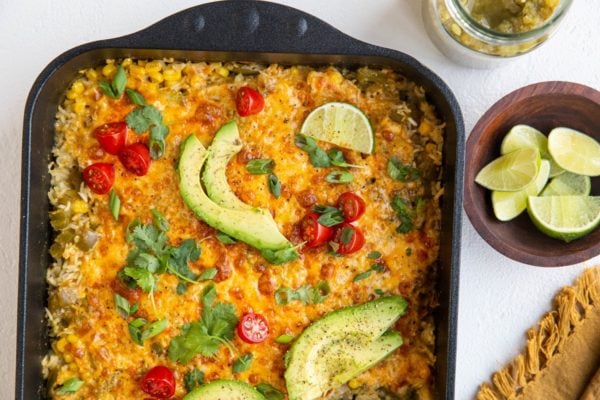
[(159, 382), (349, 238), (99, 177), (253, 328), (135, 158), (111, 136), (249, 101), (314, 233), (351, 205)]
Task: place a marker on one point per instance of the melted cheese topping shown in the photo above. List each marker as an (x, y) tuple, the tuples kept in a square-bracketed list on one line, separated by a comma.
[(92, 341)]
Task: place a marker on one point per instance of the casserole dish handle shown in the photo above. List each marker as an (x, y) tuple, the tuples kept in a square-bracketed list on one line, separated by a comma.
[(228, 25)]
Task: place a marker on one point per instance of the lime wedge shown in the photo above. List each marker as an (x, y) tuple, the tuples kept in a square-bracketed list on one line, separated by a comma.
[(575, 151), (565, 217), (521, 136), (568, 184), (508, 205), (511, 172), (341, 124)]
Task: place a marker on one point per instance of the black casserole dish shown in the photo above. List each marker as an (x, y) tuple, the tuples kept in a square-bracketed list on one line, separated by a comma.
[(226, 31)]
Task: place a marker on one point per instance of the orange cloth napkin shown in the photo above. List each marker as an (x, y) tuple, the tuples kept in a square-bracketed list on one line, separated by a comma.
[(562, 353)]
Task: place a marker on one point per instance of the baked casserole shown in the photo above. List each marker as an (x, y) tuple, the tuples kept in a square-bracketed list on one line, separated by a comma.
[(154, 294)]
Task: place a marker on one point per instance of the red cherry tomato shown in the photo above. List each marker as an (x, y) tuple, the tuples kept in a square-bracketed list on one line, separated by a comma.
[(135, 158), (159, 382), (249, 101), (99, 177), (253, 328), (314, 233), (351, 205), (349, 238), (111, 136)]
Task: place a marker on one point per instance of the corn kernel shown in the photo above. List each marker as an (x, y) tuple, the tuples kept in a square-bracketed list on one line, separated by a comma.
[(354, 384), (71, 94), (126, 62), (336, 77), (425, 128), (60, 344), (196, 80), (151, 87), (72, 338), (156, 76), (91, 74), (224, 72), (137, 71), (79, 107), (153, 66), (172, 74), (108, 70), (78, 87), (68, 358)]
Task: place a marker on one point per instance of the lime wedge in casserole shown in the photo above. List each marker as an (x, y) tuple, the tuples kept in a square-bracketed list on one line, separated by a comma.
[(521, 136), (341, 124), (565, 217), (509, 205), (511, 172)]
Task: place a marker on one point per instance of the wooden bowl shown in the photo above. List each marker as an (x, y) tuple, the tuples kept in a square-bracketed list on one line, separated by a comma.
[(544, 106)]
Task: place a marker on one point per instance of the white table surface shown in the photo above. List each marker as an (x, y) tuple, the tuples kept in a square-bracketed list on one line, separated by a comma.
[(499, 299)]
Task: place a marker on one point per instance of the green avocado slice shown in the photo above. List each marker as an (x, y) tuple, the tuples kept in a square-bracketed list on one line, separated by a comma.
[(223, 389), (250, 226), (341, 345)]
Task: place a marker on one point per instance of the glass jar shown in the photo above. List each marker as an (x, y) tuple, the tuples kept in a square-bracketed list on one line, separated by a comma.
[(486, 33)]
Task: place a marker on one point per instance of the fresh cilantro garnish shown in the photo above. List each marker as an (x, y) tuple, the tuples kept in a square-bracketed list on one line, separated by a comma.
[(123, 306), (404, 214), (135, 97), (181, 288), (146, 118), (280, 256), (193, 378), (284, 339), (364, 275), (274, 185), (242, 363), (307, 294), (215, 328), (337, 158), (346, 235), (225, 239), (143, 278), (330, 216), (208, 274), (140, 330), (260, 166), (379, 292), (115, 88), (374, 255), (69, 386), (401, 172), (339, 177), (114, 204), (318, 157), (269, 392)]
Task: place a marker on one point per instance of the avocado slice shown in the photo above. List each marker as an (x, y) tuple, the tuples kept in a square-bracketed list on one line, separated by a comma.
[(224, 389), (341, 345), (249, 226), (225, 145)]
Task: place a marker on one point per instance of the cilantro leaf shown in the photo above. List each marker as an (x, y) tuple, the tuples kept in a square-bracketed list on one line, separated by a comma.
[(69, 386), (157, 144), (339, 177), (193, 378), (135, 97), (180, 256), (307, 294), (404, 214), (279, 256), (193, 341), (260, 166), (318, 157), (269, 391), (242, 363), (401, 172), (115, 88), (146, 118), (136, 121), (336, 156), (330, 216), (123, 306), (142, 277)]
